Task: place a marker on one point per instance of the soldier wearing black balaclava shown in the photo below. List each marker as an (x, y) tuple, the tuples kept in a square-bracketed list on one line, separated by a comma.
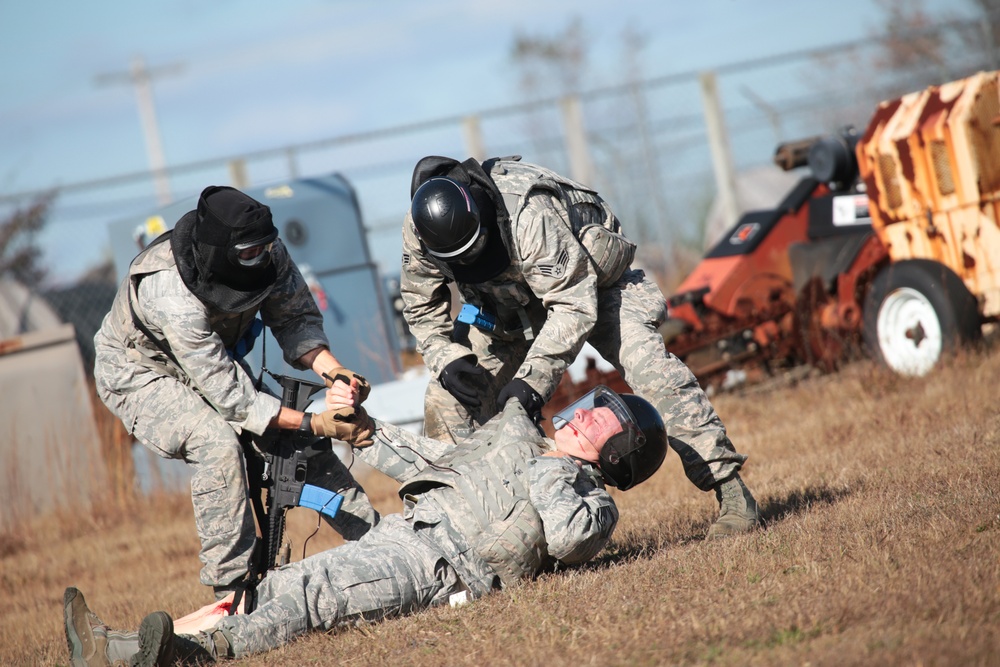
[(169, 364)]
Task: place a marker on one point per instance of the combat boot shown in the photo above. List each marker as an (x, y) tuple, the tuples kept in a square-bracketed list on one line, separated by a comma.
[(91, 643), (156, 642), (203, 647), (737, 509)]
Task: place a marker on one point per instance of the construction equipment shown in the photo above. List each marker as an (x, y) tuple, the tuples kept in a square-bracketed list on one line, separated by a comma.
[(931, 162), (891, 244)]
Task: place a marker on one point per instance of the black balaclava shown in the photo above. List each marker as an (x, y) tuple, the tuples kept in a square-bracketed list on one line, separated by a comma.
[(206, 243)]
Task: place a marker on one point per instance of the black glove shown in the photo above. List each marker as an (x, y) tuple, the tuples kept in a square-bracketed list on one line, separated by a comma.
[(457, 377), (529, 399)]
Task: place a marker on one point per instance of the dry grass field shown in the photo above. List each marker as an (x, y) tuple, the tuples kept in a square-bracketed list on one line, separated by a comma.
[(882, 547)]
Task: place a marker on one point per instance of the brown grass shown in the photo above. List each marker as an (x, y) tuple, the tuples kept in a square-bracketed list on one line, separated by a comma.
[(882, 548)]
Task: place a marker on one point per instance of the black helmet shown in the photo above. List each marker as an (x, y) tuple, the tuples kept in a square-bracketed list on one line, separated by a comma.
[(634, 454), (447, 221), (223, 249)]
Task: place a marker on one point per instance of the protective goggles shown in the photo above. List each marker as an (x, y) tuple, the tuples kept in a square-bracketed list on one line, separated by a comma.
[(619, 445), (254, 253)]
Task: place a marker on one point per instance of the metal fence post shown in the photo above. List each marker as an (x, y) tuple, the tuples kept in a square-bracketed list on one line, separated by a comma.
[(580, 166)]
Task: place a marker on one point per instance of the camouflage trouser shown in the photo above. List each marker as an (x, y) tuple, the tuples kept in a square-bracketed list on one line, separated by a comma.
[(389, 572), (626, 335), (176, 423)]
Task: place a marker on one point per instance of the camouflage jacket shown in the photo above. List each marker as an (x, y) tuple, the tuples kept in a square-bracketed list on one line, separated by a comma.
[(498, 508), (198, 336), (551, 284)]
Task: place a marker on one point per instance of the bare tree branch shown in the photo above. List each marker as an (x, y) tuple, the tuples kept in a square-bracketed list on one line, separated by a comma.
[(19, 252)]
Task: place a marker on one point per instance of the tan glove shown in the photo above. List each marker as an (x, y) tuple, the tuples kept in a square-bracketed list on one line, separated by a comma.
[(345, 375), (352, 425)]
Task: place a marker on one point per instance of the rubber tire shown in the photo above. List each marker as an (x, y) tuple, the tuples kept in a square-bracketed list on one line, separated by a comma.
[(918, 291)]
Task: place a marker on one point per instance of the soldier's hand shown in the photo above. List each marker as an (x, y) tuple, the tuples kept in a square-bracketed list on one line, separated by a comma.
[(342, 395), (341, 374), (351, 425), (459, 378), (529, 399)]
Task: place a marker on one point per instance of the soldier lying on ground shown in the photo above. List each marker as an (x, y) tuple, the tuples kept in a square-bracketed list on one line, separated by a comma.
[(542, 266), (170, 364), (476, 518)]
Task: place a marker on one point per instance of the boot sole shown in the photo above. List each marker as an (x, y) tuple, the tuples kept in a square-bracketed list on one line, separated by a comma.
[(156, 641), (73, 640), (722, 529)]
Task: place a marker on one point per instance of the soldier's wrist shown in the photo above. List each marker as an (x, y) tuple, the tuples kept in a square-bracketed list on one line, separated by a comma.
[(305, 427)]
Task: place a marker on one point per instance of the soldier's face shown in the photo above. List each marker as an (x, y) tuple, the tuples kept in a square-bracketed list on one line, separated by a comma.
[(475, 250), (585, 435)]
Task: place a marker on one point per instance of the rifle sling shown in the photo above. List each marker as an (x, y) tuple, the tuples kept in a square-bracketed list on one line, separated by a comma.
[(149, 334), (135, 317)]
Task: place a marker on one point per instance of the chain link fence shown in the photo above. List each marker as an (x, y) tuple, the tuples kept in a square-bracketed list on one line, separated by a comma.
[(644, 147), (644, 144)]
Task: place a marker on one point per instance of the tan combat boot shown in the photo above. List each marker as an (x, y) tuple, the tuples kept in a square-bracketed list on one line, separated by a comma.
[(93, 644), (737, 509), (89, 639)]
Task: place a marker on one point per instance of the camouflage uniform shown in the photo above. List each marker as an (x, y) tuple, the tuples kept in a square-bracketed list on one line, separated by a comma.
[(195, 411), (555, 295), (480, 517)]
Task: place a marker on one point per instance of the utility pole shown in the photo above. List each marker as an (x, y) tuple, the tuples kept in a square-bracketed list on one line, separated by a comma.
[(651, 159), (581, 169), (718, 141), (141, 79), (474, 145)]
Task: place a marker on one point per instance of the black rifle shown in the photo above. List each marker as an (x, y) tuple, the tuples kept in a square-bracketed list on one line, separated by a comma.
[(276, 475)]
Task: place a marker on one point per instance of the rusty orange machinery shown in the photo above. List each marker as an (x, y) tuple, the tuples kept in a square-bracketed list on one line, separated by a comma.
[(807, 282), (783, 286), (931, 162), (739, 300), (892, 241)]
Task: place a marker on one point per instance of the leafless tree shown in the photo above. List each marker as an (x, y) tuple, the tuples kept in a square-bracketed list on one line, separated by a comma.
[(907, 50), (981, 40), (19, 252), (913, 46), (549, 66)]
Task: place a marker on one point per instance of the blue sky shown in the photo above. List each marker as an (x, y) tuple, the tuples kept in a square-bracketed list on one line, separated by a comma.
[(255, 75)]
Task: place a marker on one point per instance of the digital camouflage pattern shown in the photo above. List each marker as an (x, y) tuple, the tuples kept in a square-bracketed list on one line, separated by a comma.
[(422, 557), (198, 335), (195, 411), (552, 283)]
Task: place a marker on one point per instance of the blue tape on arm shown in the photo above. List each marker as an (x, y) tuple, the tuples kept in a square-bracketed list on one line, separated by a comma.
[(322, 500), (468, 314)]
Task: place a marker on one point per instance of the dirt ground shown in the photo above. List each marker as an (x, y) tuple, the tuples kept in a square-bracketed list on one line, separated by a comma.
[(882, 501)]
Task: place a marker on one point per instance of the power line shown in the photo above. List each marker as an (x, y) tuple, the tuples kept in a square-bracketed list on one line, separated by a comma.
[(141, 78), (798, 105), (506, 110)]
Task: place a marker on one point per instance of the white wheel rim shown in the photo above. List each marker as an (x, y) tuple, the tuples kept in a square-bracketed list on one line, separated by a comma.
[(909, 332)]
